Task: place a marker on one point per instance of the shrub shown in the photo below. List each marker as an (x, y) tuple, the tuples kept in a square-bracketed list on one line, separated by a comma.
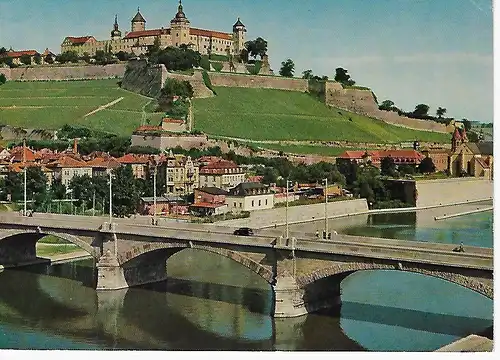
[(218, 66), (205, 62), (3, 79), (208, 82)]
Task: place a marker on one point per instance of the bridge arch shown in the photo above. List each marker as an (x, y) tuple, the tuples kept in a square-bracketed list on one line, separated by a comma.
[(456, 278), (261, 270), (6, 234)]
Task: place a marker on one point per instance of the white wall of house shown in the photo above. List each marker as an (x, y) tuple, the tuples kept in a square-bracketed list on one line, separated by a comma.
[(250, 203), (66, 174)]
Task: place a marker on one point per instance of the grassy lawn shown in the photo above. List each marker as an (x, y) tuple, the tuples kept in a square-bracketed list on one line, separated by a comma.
[(266, 114), (49, 250), (50, 105), (50, 239), (304, 149)]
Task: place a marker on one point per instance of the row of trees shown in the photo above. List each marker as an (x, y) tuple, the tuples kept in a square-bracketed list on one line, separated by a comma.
[(85, 191)]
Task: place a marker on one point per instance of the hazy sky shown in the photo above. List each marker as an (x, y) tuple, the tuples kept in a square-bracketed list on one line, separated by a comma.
[(438, 52)]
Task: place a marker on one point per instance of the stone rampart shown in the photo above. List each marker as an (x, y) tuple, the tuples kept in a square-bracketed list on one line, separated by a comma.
[(363, 102), (6, 71), (141, 78), (196, 80), (170, 141), (256, 81), (452, 191), (86, 72)]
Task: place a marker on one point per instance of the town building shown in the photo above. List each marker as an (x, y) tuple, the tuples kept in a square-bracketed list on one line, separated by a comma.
[(165, 205), (66, 168), (249, 197), (16, 56), (179, 33), (181, 174), (209, 201), (102, 166), (222, 174), (472, 159), (374, 157), (440, 158), (139, 164)]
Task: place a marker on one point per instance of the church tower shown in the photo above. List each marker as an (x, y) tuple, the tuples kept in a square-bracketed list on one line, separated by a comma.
[(179, 27), (138, 22), (239, 31), (456, 140), (116, 34)]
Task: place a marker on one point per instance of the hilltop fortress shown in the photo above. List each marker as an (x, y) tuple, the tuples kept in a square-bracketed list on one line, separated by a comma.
[(179, 33)]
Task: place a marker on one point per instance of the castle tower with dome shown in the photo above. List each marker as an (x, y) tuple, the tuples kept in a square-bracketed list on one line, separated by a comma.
[(178, 33)]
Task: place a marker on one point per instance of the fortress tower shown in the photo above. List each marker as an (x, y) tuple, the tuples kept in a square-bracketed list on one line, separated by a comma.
[(239, 31), (116, 34), (138, 22), (179, 28)]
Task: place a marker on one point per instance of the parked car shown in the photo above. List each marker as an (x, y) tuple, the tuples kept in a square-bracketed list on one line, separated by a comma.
[(244, 231)]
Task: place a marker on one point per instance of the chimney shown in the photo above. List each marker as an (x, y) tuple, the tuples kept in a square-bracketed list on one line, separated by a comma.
[(75, 146)]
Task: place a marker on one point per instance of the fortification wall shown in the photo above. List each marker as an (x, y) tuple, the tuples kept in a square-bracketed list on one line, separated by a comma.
[(199, 88), (256, 81), (167, 142), (363, 102), (6, 71), (37, 73), (450, 191), (141, 78)]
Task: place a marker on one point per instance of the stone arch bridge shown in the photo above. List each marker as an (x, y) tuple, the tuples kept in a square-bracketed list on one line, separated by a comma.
[(304, 272)]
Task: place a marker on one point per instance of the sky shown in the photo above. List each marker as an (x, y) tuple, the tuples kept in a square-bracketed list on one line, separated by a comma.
[(437, 52)]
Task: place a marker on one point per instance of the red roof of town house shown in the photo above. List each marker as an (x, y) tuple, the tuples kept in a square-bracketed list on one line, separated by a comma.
[(172, 121), (219, 167), (17, 154), (17, 54), (101, 162), (18, 167), (148, 128), (354, 154), (378, 155), (152, 32), (78, 40), (210, 33), (67, 162), (400, 154), (256, 178), (133, 159)]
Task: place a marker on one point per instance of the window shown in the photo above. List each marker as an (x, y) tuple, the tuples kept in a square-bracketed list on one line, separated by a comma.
[(241, 205), (253, 203), (266, 201), (234, 204), (260, 203)]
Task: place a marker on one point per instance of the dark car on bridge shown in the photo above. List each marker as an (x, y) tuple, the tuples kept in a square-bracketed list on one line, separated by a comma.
[(244, 231)]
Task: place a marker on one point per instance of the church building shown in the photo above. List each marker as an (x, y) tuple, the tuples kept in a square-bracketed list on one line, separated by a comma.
[(179, 33)]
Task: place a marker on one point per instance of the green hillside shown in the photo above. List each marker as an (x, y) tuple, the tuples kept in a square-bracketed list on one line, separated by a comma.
[(265, 114), (50, 105)]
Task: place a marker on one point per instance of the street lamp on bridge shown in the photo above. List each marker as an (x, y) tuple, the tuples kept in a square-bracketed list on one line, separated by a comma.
[(110, 199), (286, 209), (326, 208)]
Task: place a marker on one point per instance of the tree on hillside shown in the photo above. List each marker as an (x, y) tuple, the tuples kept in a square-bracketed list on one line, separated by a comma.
[(244, 56), (57, 189), (343, 77), (426, 166), (3, 51), (287, 68), (467, 124), (82, 189), (86, 57), (14, 186), (421, 111), (176, 58), (36, 185), (440, 112), (174, 87), (257, 47), (3, 79), (122, 55), (387, 105), (25, 59), (307, 74), (387, 166), (155, 48), (67, 56)]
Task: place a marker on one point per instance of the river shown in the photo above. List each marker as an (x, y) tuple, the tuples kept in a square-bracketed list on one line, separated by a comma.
[(213, 303)]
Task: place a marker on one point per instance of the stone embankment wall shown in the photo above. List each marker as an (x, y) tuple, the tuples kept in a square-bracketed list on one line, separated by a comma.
[(199, 88), (362, 102), (141, 78), (39, 73), (270, 217), (256, 81), (451, 191), (168, 142)]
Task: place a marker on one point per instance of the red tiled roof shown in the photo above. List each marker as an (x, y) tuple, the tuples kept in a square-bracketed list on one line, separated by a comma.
[(483, 163), (100, 162), (210, 33), (67, 162), (133, 159), (256, 178), (17, 54), (18, 167), (207, 205), (79, 39), (172, 121), (356, 154), (377, 155), (218, 167), (17, 154), (148, 128), (144, 33)]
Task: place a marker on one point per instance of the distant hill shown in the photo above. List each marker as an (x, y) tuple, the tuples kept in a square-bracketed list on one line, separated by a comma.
[(51, 104), (266, 114)]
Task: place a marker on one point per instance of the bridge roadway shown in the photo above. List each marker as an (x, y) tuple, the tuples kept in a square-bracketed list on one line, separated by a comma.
[(376, 248)]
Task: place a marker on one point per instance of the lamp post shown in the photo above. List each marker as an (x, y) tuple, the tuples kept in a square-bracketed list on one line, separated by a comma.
[(326, 207), (286, 210), (110, 200), (154, 195), (24, 163)]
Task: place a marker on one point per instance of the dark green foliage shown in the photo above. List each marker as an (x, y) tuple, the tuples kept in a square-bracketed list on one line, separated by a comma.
[(3, 79), (257, 47), (174, 87), (57, 189), (143, 150), (343, 77), (125, 192), (208, 82), (123, 56), (82, 189), (103, 57), (25, 59), (216, 57), (38, 59), (287, 68), (255, 67), (388, 167), (426, 166), (205, 62), (13, 186), (421, 111), (72, 131), (67, 56), (307, 74), (440, 112), (176, 58), (178, 109), (218, 66)]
